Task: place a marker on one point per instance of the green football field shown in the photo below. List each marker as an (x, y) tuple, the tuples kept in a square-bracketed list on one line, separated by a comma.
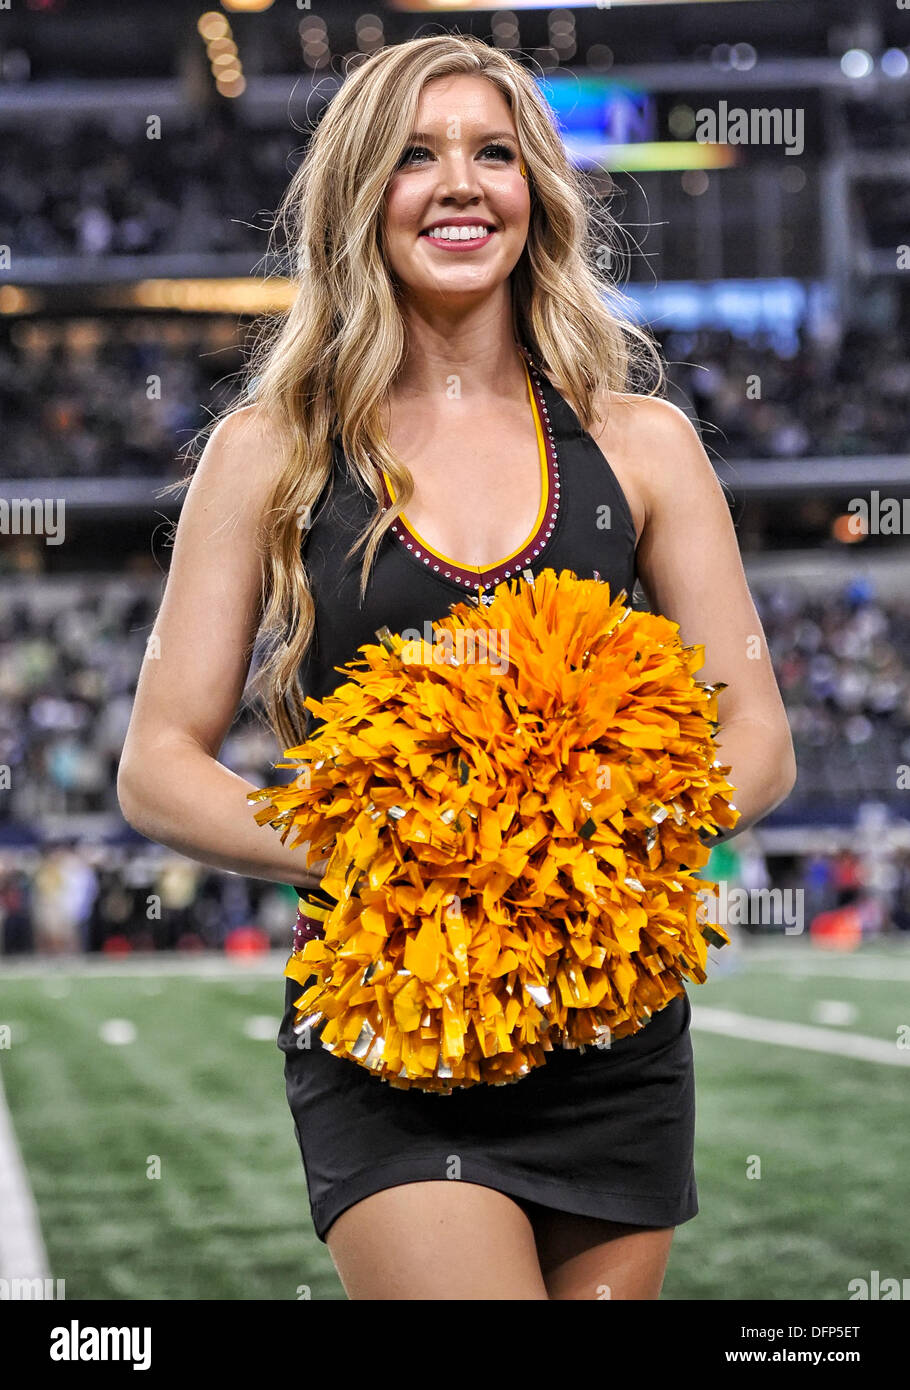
[(114, 1074)]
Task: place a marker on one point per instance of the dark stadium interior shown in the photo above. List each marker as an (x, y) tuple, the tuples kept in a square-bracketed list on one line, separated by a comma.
[(137, 200), (781, 264)]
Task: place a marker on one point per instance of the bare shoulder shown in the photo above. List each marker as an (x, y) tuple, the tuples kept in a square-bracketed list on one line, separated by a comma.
[(652, 446), (637, 426), (235, 476), (246, 446)]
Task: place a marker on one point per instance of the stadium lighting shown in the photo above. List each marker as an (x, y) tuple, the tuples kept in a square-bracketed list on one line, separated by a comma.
[(14, 300), (370, 32), (856, 62), (247, 295), (221, 50), (232, 84), (744, 57), (843, 529), (213, 25), (895, 63)]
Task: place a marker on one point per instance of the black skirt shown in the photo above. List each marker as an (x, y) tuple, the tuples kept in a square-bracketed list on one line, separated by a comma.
[(608, 1132)]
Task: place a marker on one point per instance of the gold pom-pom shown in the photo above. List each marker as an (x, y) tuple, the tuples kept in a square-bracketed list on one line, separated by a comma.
[(513, 815)]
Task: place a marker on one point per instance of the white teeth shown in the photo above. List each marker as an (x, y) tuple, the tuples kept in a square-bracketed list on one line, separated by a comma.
[(458, 233)]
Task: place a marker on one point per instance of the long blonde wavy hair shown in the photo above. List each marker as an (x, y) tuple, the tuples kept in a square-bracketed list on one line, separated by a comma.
[(324, 367)]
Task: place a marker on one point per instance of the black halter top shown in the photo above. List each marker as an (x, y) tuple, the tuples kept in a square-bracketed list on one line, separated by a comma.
[(584, 523)]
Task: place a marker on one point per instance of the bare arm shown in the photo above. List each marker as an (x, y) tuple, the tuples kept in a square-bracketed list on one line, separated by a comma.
[(170, 784), (691, 570)]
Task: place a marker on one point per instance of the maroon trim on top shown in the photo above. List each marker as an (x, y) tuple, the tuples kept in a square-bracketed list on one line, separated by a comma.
[(473, 578), (306, 929)]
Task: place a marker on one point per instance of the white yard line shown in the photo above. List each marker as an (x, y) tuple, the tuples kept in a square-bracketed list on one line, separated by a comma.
[(805, 1037), (22, 1252), (819, 966)]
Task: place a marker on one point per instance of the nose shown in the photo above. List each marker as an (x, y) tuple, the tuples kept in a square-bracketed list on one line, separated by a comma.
[(458, 176)]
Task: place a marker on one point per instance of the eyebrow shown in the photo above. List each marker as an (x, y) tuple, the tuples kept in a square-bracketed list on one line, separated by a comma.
[(485, 138)]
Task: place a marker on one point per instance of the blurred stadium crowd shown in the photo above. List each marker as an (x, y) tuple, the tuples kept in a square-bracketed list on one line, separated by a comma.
[(96, 187), (70, 652), (77, 394), (76, 391), (69, 656), (67, 682), (68, 672), (76, 897), (103, 386)]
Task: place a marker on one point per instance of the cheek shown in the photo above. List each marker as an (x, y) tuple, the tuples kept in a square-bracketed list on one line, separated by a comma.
[(512, 201), (402, 209)]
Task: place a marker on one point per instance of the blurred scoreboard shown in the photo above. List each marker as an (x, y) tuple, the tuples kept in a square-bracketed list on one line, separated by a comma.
[(610, 124)]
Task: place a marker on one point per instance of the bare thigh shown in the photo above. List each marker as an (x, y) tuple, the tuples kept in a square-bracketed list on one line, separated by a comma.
[(583, 1258), (436, 1240)]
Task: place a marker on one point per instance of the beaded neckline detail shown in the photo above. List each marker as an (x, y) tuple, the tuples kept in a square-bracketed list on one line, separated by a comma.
[(473, 578)]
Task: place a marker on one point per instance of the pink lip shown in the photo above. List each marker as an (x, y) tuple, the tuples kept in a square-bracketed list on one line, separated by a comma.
[(459, 245)]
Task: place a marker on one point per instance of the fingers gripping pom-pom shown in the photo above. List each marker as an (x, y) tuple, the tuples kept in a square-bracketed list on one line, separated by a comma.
[(513, 817)]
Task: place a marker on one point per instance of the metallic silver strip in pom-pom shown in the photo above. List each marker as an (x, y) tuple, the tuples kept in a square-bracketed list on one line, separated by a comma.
[(539, 993), (364, 1039)]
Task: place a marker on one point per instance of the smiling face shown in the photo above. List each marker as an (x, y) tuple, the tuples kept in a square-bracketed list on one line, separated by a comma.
[(459, 177)]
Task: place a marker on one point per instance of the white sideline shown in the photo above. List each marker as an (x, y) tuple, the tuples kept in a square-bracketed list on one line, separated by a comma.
[(22, 1252), (803, 1036), (895, 966)]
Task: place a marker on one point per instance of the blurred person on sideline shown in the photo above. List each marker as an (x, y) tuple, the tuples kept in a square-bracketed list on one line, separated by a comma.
[(64, 891)]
